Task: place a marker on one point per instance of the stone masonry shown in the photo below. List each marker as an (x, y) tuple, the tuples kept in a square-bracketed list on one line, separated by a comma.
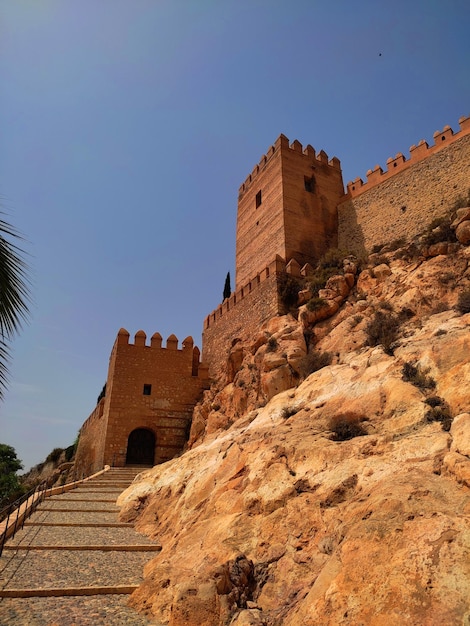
[(150, 395)]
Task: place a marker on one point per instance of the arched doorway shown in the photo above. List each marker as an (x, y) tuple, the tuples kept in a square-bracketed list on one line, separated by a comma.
[(140, 447)]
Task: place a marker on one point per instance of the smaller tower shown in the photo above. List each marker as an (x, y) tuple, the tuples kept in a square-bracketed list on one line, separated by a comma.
[(144, 417)]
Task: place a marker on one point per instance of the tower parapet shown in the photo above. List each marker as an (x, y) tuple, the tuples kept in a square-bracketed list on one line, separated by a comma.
[(282, 142)]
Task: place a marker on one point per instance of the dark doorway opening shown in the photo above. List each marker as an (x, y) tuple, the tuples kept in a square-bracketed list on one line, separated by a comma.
[(140, 447)]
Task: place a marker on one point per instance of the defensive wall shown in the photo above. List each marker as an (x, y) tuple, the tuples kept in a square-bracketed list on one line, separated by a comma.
[(404, 199), (150, 394), (287, 208), (243, 314), (293, 205)]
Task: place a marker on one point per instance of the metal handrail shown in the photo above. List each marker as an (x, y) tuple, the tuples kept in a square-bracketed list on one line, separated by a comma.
[(37, 495)]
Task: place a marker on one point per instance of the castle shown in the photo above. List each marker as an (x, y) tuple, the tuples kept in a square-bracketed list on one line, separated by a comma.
[(291, 209)]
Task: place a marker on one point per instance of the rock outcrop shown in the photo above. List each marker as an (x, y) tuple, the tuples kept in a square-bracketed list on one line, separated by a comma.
[(335, 496)]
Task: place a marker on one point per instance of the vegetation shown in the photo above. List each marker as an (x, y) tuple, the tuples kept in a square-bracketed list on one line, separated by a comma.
[(14, 295), (315, 303), (271, 345), (463, 302), (288, 411), (102, 394), (288, 290), (314, 361), (346, 426), (227, 287), (382, 329), (439, 412), (54, 456), (10, 487), (417, 376)]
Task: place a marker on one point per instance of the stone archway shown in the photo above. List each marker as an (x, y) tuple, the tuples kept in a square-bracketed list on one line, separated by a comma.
[(140, 447)]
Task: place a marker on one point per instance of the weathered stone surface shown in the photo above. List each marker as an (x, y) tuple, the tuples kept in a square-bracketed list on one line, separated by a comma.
[(375, 527), (462, 215), (462, 232)]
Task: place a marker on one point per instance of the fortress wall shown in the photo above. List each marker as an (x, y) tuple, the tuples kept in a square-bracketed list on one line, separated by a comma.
[(90, 448), (239, 318), (403, 204)]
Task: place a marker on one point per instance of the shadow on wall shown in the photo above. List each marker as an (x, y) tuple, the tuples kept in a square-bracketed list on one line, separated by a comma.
[(350, 231)]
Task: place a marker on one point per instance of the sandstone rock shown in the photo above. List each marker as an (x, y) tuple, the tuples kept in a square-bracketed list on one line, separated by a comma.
[(462, 232), (460, 431), (381, 272), (370, 529), (463, 214), (339, 285)]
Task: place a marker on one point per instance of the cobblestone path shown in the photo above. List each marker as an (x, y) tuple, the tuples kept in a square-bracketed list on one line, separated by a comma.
[(73, 563)]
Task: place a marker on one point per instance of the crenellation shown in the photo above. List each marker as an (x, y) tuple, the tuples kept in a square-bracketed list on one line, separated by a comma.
[(172, 342), (293, 268), (140, 338), (442, 139), (156, 340)]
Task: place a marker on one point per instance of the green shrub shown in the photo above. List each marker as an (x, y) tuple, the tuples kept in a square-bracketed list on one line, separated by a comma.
[(382, 329), (346, 426), (418, 377), (439, 412), (318, 280), (463, 301), (314, 361), (69, 452), (315, 303), (271, 345), (288, 290), (288, 411), (54, 456), (333, 258)]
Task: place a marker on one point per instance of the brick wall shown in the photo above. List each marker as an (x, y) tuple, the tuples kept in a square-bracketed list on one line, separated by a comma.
[(404, 200)]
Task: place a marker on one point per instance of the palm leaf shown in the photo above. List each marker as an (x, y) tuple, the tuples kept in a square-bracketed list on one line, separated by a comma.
[(14, 294)]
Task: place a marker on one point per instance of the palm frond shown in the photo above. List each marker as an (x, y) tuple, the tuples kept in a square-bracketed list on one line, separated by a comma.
[(14, 294)]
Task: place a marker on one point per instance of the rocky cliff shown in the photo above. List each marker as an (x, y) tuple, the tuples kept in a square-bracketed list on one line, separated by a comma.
[(328, 476)]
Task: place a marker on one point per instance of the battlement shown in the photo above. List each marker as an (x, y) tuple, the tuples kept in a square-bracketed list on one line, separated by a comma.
[(399, 163), (140, 339), (276, 268), (282, 143)]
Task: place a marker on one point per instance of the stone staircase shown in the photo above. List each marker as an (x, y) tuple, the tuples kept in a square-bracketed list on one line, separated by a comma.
[(74, 563)]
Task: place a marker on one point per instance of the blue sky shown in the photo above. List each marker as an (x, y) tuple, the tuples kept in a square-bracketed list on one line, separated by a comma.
[(127, 127)]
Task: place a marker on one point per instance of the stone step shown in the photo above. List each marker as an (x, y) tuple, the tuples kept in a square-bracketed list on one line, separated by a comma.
[(86, 548), (67, 591), (82, 524)]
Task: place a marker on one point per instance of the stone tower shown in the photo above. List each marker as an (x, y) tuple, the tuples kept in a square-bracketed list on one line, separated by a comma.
[(287, 207), (144, 417)]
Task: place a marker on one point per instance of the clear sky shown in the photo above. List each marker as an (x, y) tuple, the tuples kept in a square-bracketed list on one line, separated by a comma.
[(127, 127)]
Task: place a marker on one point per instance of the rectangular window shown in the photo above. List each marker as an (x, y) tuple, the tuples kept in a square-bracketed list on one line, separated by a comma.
[(309, 184), (258, 199), (147, 390)]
